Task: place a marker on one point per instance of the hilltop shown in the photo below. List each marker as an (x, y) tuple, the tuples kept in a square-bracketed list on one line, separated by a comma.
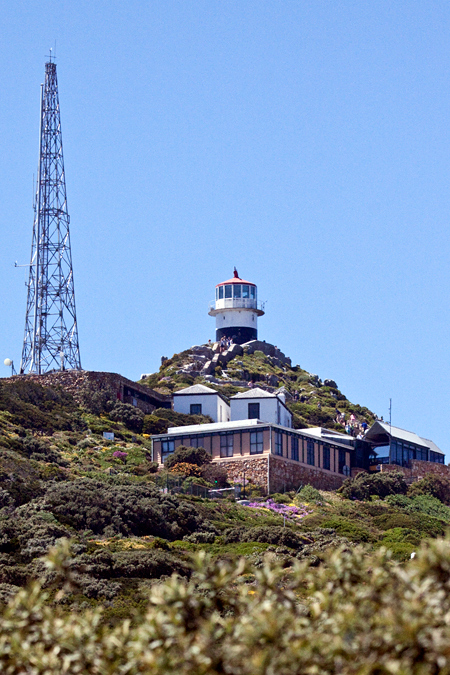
[(313, 401)]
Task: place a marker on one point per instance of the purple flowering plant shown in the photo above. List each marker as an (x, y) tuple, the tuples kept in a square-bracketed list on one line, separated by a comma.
[(120, 455), (290, 512)]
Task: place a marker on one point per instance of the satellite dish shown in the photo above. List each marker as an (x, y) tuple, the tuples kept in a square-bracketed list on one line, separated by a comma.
[(7, 362)]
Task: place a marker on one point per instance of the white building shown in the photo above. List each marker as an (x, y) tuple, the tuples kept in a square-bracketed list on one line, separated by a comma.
[(236, 310), (262, 405), (201, 400)]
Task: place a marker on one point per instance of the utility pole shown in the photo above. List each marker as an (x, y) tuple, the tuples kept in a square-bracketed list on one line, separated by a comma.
[(51, 333)]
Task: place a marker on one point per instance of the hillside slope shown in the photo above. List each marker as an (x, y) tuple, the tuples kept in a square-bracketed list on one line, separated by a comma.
[(314, 402)]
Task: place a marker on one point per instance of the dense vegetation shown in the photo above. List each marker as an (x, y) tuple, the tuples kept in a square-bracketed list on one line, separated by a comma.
[(253, 583)]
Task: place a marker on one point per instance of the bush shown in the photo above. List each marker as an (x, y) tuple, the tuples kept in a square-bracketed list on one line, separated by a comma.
[(154, 425), (358, 614), (126, 509), (433, 485), (278, 536), (215, 474), (129, 415), (309, 494), (366, 485), (183, 454)]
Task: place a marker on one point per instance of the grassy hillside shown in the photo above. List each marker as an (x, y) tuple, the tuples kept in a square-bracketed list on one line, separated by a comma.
[(60, 479)]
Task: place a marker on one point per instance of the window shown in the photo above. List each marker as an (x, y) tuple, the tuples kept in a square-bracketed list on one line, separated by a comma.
[(228, 291), (294, 448), (256, 442), (220, 292), (252, 292), (436, 457), (253, 411), (166, 448), (193, 442), (196, 408), (237, 290), (226, 445), (278, 443), (341, 461), (326, 457), (310, 452), (245, 292), (217, 293)]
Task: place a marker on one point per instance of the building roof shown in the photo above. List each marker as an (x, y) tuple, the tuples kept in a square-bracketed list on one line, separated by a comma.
[(236, 280), (255, 392), (380, 428), (196, 389), (200, 390), (214, 426)]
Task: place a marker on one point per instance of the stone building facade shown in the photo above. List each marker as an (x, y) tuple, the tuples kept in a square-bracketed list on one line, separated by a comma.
[(272, 457)]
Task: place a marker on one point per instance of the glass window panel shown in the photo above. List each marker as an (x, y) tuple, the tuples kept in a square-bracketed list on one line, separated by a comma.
[(220, 292), (294, 448), (278, 443), (326, 457), (253, 292), (196, 408), (226, 445), (237, 290), (228, 291), (256, 442), (245, 291), (310, 452)]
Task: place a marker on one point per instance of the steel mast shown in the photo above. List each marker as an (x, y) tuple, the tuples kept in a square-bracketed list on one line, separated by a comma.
[(51, 334)]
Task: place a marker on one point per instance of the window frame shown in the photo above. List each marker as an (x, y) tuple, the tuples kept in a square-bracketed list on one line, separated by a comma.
[(226, 444), (195, 405), (254, 404), (256, 442), (310, 454), (278, 443)]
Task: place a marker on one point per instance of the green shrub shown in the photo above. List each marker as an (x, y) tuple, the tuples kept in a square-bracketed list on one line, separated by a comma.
[(129, 415), (422, 503), (309, 494), (365, 485), (188, 455), (436, 486), (279, 536), (126, 509), (358, 614), (346, 528)]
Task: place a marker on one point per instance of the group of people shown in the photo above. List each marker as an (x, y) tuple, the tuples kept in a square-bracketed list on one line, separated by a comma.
[(352, 426), (225, 343)]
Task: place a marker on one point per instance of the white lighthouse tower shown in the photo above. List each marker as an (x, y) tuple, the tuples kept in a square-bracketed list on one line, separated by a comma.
[(236, 310)]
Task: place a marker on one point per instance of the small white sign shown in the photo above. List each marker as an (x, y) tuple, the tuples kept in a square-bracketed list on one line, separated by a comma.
[(108, 435)]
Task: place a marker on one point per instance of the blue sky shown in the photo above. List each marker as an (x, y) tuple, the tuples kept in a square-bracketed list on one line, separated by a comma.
[(307, 143)]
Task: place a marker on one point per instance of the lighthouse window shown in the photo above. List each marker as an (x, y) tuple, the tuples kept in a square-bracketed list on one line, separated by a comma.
[(220, 292), (252, 292), (245, 292), (237, 290), (229, 291)]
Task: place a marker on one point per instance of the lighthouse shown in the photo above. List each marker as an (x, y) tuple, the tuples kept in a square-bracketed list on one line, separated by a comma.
[(236, 310)]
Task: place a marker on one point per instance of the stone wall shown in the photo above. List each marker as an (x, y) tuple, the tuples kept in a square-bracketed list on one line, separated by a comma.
[(286, 474), (77, 381), (418, 469), (255, 469)]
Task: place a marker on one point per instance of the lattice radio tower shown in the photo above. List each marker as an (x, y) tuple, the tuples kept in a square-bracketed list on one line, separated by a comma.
[(51, 334)]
